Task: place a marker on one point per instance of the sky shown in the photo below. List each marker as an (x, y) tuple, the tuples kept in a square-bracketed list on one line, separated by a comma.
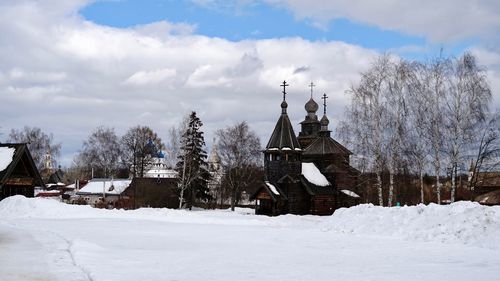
[(71, 66)]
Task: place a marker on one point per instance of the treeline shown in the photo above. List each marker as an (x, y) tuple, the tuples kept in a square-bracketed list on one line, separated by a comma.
[(432, 117), (106, 154)]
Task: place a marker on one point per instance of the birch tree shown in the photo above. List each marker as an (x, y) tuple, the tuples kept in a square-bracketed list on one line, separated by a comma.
[(487, 149), (466, 104), (366, 118), (416, 147)]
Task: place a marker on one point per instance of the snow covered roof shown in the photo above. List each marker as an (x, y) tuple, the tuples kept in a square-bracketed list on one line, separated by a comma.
[(272, 188), (97, 186), (313, 175), (350, 193), (6, 156)]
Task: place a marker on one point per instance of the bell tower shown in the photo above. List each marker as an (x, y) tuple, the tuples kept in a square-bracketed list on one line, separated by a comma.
[(282, 155)]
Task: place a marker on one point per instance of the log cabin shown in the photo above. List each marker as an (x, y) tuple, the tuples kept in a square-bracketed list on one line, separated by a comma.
[(18, 172)]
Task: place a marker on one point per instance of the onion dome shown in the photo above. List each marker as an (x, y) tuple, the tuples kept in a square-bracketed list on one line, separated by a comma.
[(324, 123), (284, 105), (311, 106)]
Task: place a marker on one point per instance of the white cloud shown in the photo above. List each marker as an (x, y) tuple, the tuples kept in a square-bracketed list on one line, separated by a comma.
[(151, 77), (69, 75), (439, 21)]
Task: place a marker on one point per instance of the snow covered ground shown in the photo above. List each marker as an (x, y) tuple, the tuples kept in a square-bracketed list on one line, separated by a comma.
[(42, 239)]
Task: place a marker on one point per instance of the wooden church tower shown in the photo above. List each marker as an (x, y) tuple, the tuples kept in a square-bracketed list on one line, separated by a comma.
[(305, 175)]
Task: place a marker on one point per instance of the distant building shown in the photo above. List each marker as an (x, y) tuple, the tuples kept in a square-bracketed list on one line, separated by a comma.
[(18, 172), (159, 168), (310, 174), (216, 172), (103, 191)]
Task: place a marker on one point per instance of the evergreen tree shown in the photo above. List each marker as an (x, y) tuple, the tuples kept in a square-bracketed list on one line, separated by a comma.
[(192, 165)]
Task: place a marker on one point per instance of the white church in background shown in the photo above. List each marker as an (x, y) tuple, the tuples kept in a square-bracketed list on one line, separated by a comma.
[(160, 168)]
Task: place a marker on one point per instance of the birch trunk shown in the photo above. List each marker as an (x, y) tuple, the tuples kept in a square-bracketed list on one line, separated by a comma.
[(391, 188), (422, 199), (379, 189)]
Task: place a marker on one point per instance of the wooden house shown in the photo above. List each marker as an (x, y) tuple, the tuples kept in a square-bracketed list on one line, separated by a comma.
[(100, 192), (153, 192), (487, 189), (18, 172), (305, 175)]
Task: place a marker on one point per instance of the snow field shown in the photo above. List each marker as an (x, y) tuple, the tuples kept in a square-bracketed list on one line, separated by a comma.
[(461, 222), (361, 243)]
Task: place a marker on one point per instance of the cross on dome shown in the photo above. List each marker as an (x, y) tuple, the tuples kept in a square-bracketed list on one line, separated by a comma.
[(284, 85), (311, 86), (324, 102)]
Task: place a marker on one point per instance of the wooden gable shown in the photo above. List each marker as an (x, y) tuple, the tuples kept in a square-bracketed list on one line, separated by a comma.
[(21, 175)]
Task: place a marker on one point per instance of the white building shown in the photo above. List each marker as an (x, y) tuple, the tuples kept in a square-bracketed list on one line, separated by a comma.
[(216, 172), (160, 169)]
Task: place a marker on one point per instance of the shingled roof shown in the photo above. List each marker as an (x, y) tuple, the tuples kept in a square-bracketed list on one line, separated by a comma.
[(21, 154), (325, 145), (283, 135)]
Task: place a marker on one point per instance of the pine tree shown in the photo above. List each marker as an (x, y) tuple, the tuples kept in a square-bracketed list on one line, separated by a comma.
[(192, 165)]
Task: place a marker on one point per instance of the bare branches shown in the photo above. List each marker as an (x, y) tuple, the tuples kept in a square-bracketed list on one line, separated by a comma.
[(239, 149)]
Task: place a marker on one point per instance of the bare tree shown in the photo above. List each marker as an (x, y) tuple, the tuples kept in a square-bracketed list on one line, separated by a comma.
[(416, 146), (466, 104), (101, 151), (487, 148), (240, 151), (140, 144), (173, 146), (39, 143), (367, 118), (423, 113)]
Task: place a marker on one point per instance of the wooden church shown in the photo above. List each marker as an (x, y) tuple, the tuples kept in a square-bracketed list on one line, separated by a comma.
[(308, 174)]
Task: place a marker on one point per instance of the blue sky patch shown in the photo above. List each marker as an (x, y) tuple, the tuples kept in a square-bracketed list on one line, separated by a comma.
[(259, 21)]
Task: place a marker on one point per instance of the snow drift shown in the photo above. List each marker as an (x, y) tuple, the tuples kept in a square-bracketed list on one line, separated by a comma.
[(461, 222)]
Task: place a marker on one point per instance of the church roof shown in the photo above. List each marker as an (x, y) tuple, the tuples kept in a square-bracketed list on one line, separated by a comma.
[(273, 190), (325, 145), (283, 135), (313, 189)]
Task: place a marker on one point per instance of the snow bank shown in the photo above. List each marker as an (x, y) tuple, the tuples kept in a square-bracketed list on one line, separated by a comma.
[(6, 155), (461, 222), (20, 207)]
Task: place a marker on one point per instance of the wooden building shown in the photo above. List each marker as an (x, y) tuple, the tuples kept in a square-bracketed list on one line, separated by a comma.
[(153, 192), (18, 172), (305, 175), (487, 189)]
